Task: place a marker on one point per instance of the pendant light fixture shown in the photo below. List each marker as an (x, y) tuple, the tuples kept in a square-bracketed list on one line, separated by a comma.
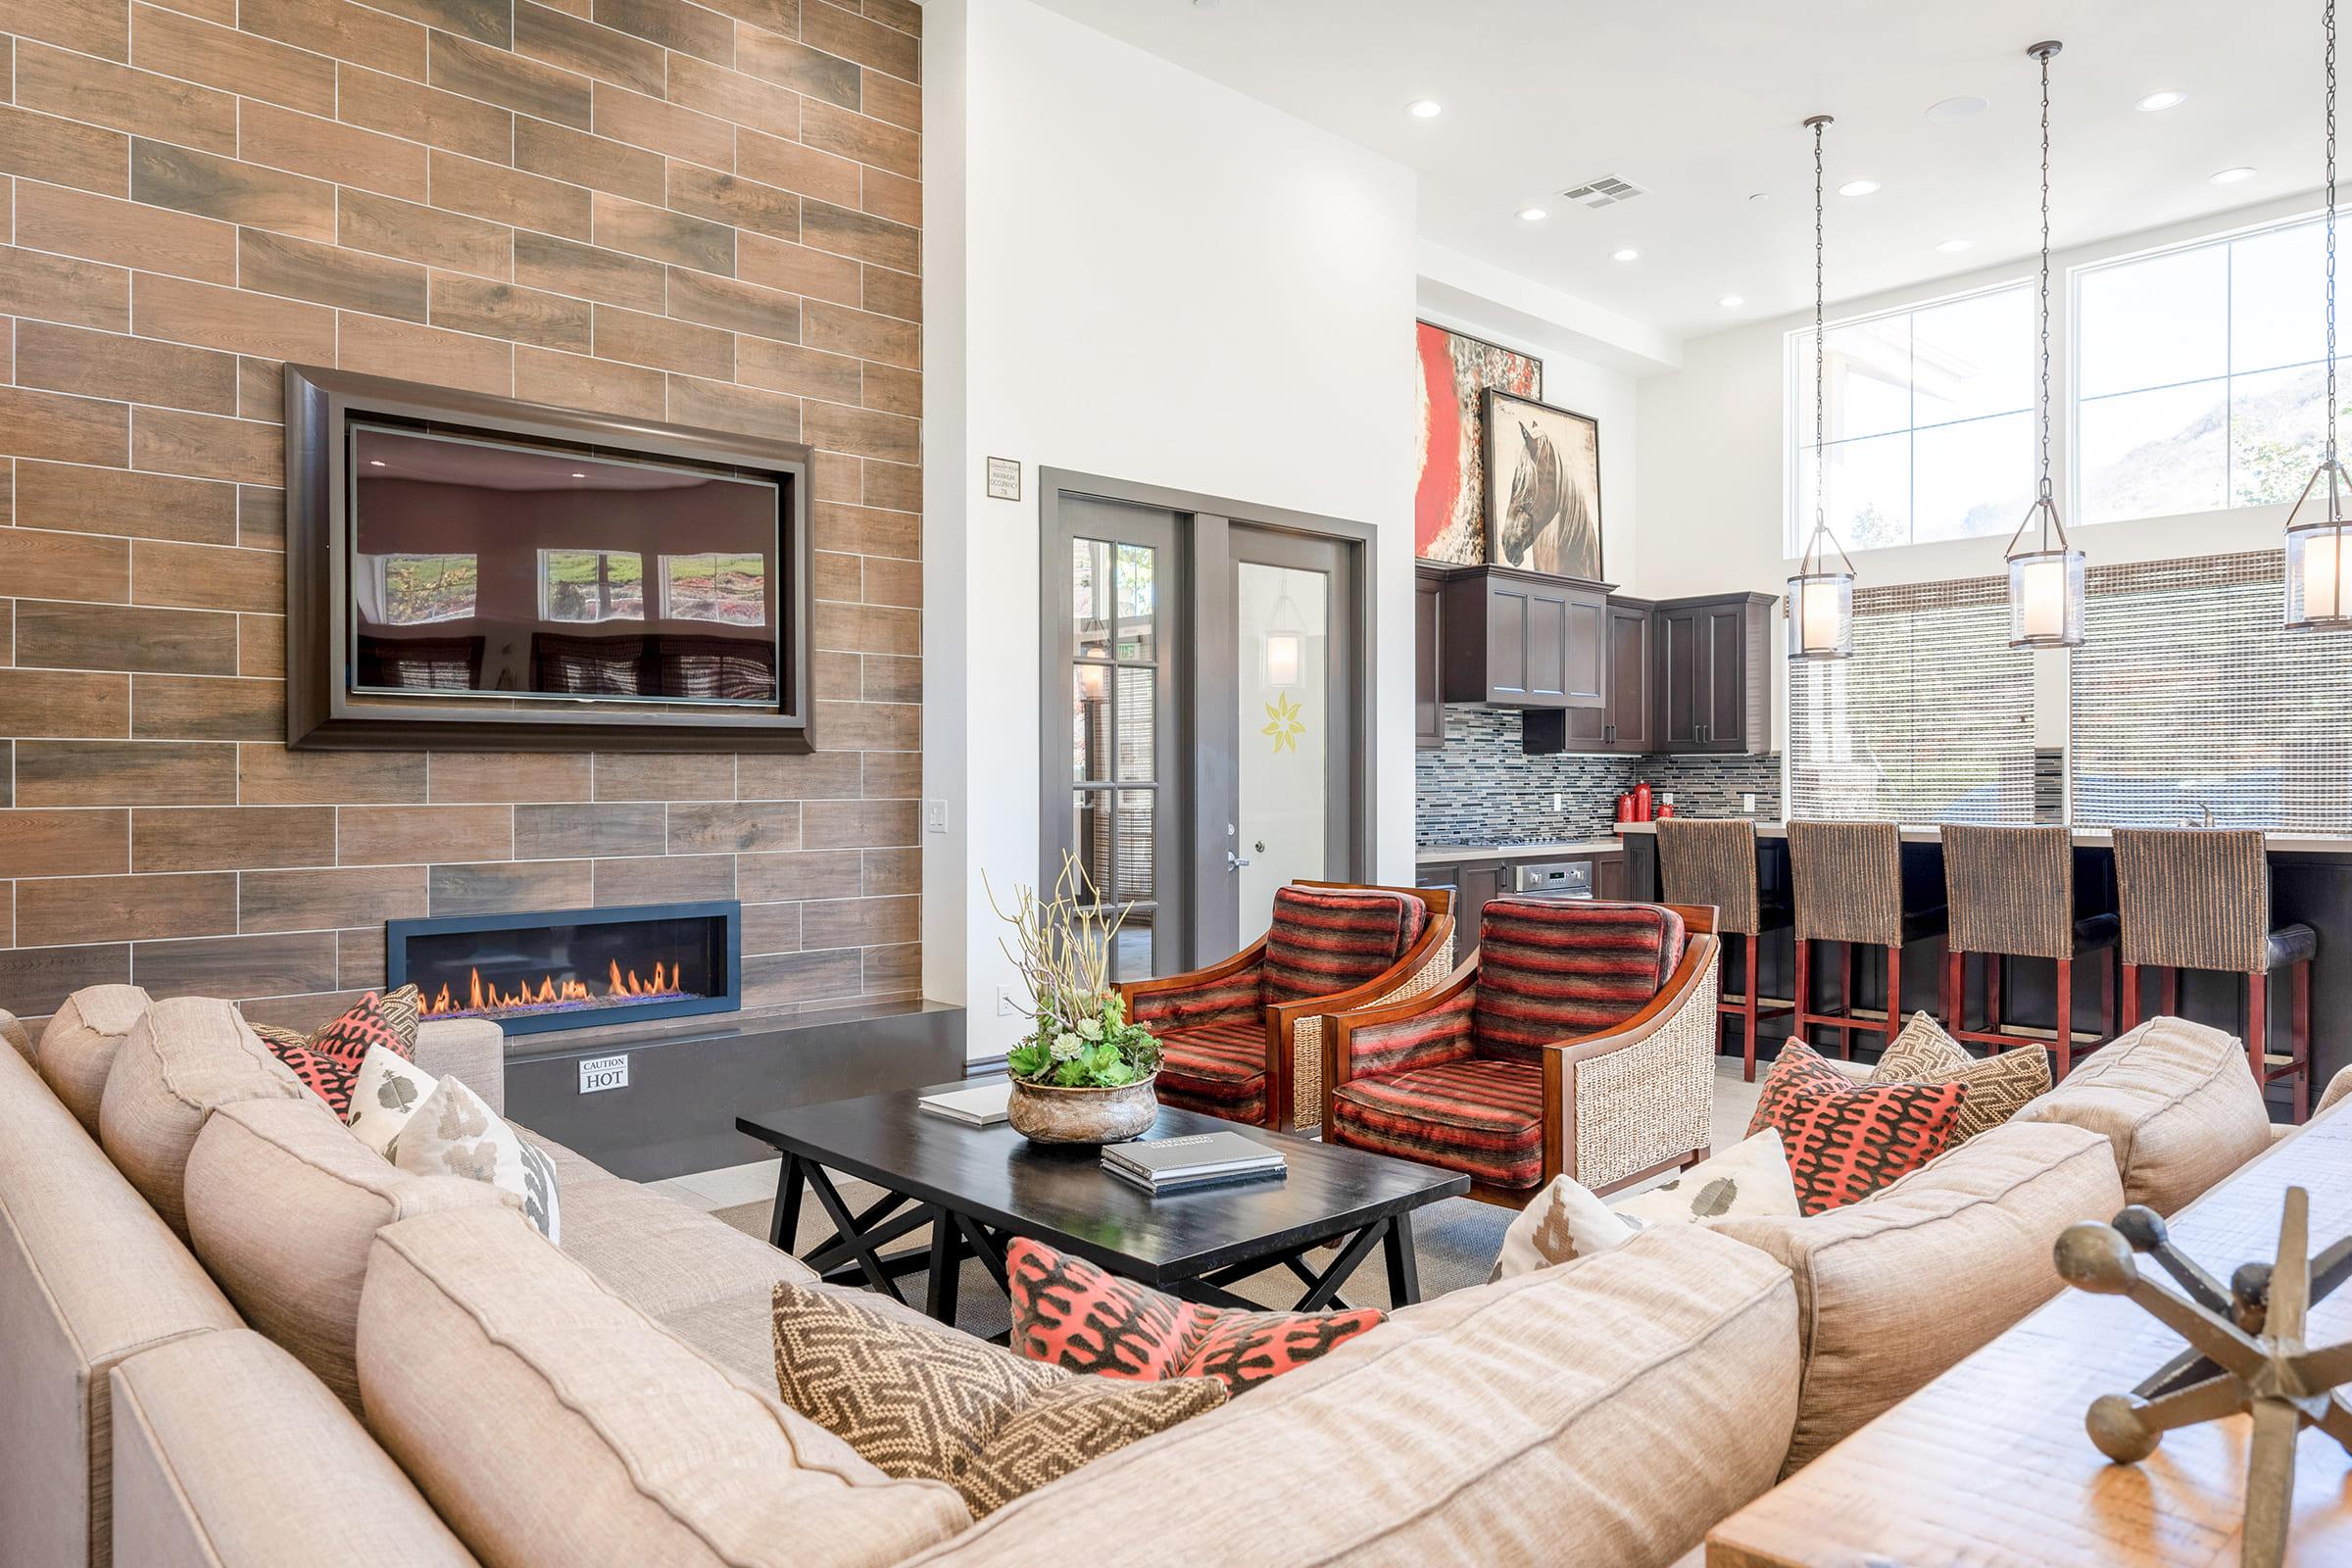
[(2046, 574), (1821, 596), (2319, 564)]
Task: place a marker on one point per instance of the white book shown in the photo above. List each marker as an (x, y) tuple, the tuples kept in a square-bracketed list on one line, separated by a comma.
[(983, 1106)]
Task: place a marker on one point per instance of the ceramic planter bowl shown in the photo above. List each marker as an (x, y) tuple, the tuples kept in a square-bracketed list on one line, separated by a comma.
[(1045, 1114)]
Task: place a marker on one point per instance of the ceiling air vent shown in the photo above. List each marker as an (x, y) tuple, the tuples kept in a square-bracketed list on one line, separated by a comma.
[(1606, 191)]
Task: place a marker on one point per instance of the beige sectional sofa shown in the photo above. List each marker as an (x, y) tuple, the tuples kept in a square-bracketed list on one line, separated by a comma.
[(215, 1300)]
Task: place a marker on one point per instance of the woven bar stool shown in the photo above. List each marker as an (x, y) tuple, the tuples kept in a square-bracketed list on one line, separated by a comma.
[(1700, 862), (1848, 882), (2011, 895), (2200, 899)]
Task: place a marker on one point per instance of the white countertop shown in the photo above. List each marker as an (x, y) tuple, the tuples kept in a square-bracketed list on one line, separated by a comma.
[(2088, 837), (1463, 853)]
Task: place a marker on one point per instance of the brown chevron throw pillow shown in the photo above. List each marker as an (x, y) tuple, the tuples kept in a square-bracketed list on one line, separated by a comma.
[(921, 1400), (1999, 1085)]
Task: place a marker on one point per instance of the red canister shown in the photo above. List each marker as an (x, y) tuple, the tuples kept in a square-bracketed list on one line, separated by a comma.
[(1666, 811), (1641, 802), (1625, 807)]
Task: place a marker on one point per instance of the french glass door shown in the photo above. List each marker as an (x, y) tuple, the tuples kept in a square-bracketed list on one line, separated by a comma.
[(1203, 732)]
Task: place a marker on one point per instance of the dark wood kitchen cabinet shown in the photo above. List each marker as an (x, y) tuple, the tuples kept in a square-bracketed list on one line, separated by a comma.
[(1712, 672), (1429, 703), (1622, 723), (1520, 639), (1472, 883)]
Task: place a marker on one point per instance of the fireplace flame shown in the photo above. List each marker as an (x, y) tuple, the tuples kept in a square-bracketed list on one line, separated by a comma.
[(549, 992)]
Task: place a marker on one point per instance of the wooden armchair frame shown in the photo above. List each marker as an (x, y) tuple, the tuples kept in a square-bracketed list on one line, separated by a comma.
[(1283, 1020), (1686, 1003)]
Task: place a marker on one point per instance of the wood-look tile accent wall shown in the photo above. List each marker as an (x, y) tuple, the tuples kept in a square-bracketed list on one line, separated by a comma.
[(702, 213)]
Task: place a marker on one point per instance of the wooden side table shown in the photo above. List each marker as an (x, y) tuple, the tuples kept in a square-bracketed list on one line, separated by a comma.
[(1988, 1466)]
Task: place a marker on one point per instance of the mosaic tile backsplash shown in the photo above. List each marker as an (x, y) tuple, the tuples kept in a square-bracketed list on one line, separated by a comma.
[(1482, 789)]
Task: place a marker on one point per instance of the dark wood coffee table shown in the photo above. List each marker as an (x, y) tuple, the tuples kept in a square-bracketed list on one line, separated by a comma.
[(979, 1186)]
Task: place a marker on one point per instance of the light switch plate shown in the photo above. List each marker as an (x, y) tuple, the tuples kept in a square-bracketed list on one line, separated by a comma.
[(597, 1073), (935, 816), (1747, 804)]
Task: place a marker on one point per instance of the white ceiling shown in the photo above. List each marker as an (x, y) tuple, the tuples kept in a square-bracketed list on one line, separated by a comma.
[(1701, 101)]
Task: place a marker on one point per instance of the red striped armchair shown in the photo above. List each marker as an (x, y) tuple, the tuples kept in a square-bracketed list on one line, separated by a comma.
[(1579, 1040), (1243, 1038)]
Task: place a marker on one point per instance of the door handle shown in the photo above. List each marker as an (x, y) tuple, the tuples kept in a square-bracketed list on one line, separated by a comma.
[(1233, 861)]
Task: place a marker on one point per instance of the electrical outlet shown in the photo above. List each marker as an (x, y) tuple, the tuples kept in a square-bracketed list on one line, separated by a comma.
[(1747, 804), (1004, 1008), (935, 816), (1666, 798), (1559, 801)]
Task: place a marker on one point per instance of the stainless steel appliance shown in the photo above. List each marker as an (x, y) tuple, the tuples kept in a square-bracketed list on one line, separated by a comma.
[(1552, 879)]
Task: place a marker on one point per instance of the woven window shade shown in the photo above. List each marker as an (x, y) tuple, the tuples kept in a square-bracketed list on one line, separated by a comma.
[(2190, 696), (1930, 721)]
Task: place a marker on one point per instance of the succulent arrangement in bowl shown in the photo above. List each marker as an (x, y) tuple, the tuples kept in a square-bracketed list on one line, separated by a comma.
[(1083, 1073)]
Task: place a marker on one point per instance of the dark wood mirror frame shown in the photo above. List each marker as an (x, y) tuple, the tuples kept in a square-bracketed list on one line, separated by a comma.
[(324, 713)]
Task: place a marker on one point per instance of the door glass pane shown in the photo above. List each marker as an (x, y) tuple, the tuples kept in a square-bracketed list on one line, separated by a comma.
[(1089, 723), (1135, 710), (1135, 877), (1130, 948), (1282, 621), (1139, 602), (1089, 597), (1090, 836)]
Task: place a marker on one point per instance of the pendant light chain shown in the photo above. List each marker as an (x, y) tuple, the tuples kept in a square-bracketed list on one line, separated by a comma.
[(1820, 354), (2046, 280), (2333, 514)]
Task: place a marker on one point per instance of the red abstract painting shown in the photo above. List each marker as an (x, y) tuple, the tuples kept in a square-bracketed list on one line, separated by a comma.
[(1454, 372)]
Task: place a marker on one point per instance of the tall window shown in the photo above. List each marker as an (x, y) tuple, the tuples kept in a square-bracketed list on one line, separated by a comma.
[(1930, 721), (2199, 382), (591, 585), (1930, 416), (715, 586), (2192, 704)]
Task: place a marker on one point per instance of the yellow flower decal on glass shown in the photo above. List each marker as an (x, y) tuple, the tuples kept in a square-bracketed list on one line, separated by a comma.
[(1284, 723)]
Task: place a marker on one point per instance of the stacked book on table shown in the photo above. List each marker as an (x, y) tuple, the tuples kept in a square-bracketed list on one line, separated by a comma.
[(1202, 1159)]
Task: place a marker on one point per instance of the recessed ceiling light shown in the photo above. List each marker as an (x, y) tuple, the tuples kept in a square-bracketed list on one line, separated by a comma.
[(1533, 215), (1629, 254), (1857, 187), (1730, 301), (376, 462), (2230, 177), (2157, 101), (1947, 110), (1950, 246), (1425, 109), (1760, 196), (578, 475)]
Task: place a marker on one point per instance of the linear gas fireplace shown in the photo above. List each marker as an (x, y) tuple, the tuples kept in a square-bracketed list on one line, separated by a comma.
[(572, 968)]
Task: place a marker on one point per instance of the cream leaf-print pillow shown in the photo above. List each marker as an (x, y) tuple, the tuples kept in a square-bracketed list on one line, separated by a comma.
[(1567, 1221), (387, 1093), (453, 1133)]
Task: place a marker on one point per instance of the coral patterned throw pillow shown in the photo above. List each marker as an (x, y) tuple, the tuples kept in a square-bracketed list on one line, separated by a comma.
[(328, 1059), (1069, 1313), (1847, 1140)]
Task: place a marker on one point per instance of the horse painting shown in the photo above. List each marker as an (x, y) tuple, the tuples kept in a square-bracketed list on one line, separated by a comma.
[(1543, 488)]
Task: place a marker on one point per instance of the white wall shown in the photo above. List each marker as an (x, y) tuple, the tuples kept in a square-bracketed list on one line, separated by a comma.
[(1711, 455), (1131, 272)]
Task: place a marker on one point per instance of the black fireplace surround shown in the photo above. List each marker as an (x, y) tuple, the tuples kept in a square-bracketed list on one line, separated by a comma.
[(572, 968)]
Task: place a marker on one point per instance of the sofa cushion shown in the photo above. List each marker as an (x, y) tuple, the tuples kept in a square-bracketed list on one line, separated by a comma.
[(77, 1048), (1999, 1085), (1481, 1115), (1846, 1140), (1552, 970), (662, 1257), (204, 1432), (553, 1426), (2177, 1102), (1070, 1313), (922, 1401), (1323, 941), (184, 1057), (89, 1275), (283, 1201), (1500, 1416), (1893, 1289)]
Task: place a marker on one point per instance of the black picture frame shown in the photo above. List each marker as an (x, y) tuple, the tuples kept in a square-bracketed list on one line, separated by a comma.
[(325, 708), (1513, 437)]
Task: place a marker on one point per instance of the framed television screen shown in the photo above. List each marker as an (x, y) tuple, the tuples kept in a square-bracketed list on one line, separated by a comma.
[(467, 570)]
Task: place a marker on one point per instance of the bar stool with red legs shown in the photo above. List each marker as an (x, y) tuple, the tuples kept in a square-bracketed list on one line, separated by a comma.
[(2200, 899), (1701, 862), (1847, 878), (2010, 892)]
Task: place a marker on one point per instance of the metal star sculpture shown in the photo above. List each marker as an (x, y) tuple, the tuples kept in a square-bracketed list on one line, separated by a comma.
[(2246, 1353)]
